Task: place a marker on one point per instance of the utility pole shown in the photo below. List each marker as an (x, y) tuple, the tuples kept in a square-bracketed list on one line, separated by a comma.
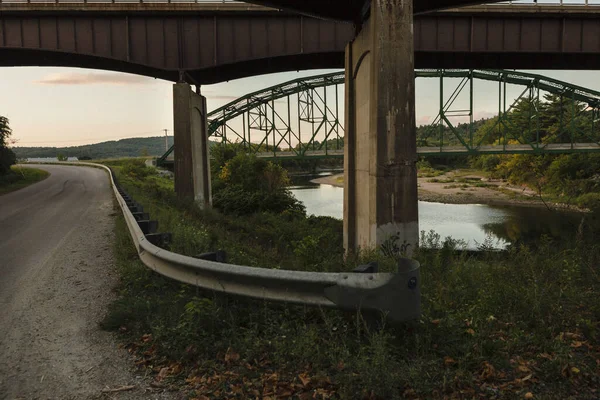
[(166, 141)]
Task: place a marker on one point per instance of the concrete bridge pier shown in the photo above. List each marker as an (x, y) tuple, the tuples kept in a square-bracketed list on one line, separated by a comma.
[(380, 197), (192, 161)]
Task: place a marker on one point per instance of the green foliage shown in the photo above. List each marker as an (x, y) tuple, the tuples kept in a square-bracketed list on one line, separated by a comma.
[(590, 201), (7, 159), (247, 185), (20, 177), (488, 163), (221, 153), (137, 168), (62, 157), (5, 131), (7, 156)]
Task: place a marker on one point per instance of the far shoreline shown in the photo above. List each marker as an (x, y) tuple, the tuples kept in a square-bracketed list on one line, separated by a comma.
[(495, 193)]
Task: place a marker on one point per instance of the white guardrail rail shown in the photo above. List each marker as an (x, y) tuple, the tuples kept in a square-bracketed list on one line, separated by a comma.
[(396, 295)]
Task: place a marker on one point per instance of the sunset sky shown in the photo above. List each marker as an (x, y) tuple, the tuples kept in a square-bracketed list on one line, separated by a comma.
[(70, 106)]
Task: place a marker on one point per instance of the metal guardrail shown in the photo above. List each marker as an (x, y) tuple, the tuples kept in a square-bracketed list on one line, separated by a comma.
[(397, 295)]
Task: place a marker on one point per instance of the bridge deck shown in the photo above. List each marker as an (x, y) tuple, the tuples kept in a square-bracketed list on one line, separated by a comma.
[(444, 151)]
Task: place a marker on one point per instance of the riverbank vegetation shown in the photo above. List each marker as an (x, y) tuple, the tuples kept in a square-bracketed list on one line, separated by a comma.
[(498, 325)]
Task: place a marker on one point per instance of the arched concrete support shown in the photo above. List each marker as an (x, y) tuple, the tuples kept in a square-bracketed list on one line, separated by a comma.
[(380, 200), (192, 161)]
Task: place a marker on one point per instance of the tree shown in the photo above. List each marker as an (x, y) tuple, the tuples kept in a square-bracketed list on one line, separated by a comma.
[(62, 157), (7, 157)]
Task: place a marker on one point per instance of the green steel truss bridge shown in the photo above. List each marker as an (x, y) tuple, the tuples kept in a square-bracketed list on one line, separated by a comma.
[(303, 118)]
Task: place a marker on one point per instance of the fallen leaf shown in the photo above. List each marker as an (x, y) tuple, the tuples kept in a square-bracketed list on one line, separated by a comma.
[(470, 331), (523, 368), (449, 360), (575, 370), (436, 321), (231, 356), (488, 371), (164, 372), (529, 395), (304, 379)]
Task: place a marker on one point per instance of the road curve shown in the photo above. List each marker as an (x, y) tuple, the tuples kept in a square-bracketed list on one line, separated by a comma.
[(56, 276)]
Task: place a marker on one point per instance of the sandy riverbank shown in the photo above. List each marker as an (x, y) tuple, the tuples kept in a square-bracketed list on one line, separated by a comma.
[(466, 187)]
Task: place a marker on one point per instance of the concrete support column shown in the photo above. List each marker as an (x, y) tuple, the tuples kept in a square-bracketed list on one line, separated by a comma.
[(192, 161), (380, 199)]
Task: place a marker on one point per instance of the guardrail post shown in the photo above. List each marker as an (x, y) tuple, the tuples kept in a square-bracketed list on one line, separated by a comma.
[(140, 216), (160, 239), (148, 226), (217, 256)]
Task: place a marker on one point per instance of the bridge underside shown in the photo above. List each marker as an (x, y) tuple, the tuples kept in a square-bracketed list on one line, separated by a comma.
[(10, 57), (215, 47)]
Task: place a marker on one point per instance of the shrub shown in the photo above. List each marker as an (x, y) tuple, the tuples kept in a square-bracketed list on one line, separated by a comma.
[(589, 200), (7, 158), (247, 184), (137, 169)]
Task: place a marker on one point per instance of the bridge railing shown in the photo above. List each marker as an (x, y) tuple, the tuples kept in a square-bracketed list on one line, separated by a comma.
[(204, 2), (532, 3)]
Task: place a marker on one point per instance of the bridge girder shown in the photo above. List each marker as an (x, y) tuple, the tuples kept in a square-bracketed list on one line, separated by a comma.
[(281, 138)]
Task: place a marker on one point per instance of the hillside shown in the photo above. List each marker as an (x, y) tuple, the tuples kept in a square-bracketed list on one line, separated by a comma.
[(133, 147)]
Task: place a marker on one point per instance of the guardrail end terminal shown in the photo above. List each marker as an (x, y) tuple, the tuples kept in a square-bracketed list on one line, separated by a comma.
[(398, 298)]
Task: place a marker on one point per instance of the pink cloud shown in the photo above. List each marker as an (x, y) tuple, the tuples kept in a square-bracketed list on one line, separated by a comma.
[(92, 78)]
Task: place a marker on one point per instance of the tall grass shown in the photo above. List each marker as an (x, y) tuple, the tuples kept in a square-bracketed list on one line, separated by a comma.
[(495, 324), (21, 177)]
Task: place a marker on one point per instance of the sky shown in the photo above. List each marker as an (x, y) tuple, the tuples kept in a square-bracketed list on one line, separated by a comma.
[(72, 106)]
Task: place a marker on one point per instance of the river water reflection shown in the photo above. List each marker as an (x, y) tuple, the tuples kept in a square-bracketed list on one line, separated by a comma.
[(475, 224)]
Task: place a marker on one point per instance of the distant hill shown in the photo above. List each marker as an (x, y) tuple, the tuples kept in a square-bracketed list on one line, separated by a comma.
[(134, 147)]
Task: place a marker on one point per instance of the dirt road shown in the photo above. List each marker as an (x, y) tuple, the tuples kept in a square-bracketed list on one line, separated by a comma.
[(56, 276)]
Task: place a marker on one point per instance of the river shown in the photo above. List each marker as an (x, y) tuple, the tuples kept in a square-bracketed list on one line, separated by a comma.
[(475, 224)]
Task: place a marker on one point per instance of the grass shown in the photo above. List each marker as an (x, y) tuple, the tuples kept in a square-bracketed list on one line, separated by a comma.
[(495, 325), (21, 177)]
